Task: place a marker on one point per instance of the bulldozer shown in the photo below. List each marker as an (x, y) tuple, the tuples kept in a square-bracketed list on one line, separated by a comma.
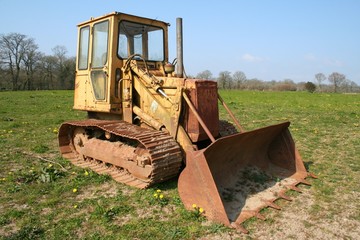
[(148, 123)]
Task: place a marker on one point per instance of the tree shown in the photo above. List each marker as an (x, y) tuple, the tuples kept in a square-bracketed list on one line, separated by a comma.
[(204, 75), (310, 87), (225, 80), (30, 59), (336, 79), (69, 69), (12, 50), (22, 66), (320, 77), (239, 78), (353, 86), (48, 66), (285, 85), (62, 73)]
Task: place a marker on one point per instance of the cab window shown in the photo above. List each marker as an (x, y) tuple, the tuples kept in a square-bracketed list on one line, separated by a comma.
[(83, 48), (137, 38), (100, 44)]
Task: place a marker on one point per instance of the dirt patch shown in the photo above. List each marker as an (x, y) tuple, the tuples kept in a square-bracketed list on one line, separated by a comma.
[(296, 221), (108, 189), (251, 191)]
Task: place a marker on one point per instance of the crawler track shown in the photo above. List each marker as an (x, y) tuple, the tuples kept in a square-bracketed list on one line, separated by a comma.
[(152, 156)]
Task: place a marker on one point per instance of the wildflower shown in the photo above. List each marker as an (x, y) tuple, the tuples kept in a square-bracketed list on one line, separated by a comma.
[(201, 210), (75, 206), (158, 191), (50, 165), (194, 205), (161, 196), (155, 195), (86, 173), (74, 190), (55, 130)]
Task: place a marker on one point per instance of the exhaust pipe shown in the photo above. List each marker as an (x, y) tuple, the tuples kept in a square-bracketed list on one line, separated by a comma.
[(179, 46)]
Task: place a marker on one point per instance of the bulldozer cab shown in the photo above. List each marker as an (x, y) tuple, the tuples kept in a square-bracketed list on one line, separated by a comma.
[(104, 44)]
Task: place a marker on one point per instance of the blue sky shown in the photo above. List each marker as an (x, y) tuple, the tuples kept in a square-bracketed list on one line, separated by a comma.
[(268, 40)]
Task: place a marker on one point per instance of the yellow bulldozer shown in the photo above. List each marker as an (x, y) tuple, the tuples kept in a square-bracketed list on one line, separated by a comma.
[(147, 123)]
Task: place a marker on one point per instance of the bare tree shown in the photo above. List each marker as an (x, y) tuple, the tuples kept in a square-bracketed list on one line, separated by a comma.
[(60, 54), (204, 75), (11, 54), (30, 58), (353, 86), (239, 78), (48, 66), (336, 79), (320, 77), (225, 80)]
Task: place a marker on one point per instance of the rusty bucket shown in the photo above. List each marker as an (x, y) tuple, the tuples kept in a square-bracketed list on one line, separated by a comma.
[(238, 175)]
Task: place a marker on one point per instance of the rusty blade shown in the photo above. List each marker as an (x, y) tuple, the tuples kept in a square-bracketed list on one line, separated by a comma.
[(238, 175)]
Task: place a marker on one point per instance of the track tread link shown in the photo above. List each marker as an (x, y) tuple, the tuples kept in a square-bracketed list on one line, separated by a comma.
[(165, 153)]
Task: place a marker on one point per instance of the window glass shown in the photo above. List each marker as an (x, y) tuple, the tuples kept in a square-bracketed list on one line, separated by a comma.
[(84, 48), (156, 39), (100, 44), (137, 38), (98, 80)]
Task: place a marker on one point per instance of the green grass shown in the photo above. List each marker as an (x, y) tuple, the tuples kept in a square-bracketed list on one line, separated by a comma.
[(38, 200)]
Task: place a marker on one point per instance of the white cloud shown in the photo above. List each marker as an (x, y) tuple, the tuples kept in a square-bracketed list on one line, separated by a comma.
[(310, 57), (333, 63), (251, 58)]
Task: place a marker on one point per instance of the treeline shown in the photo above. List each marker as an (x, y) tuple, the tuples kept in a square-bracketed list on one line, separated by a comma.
[(24, 67), (238, 80)]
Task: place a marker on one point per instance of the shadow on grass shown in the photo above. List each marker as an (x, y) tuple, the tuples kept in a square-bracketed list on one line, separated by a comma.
[(168, 185)]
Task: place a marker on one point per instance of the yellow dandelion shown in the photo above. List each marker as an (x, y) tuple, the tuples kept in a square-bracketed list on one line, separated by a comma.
[(194, 205), (86, 173), (74, 190), (50, 165), (161, 196), (75, 206), (155, 195), (158, 191), (55, 130), (201, 210)]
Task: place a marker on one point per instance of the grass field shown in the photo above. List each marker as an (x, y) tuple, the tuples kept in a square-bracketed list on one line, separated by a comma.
[(43, 196)]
